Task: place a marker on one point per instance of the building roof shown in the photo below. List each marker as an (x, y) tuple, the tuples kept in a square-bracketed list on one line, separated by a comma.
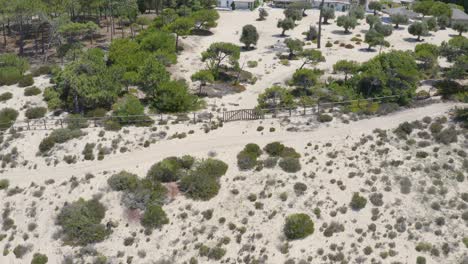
[(401, 10), (457, 14)]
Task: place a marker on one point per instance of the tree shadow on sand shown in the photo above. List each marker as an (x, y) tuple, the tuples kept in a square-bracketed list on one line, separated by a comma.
[(341, 32)]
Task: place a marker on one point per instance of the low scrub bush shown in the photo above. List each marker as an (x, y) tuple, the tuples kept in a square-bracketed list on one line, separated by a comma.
[(4, 184), (358, 202), (42, 70), (35, 112), (298, 226), (39, 258), (154, 217), (290, 165), (9, 76), (58, 136), (20, 251), (31, 91), (199, 186), (7, 117), (145, 193), (404, 129), (26, 80), (324, 118), (5, 96), (447, 136), (461, 115), (274, 149), (167, 170), (212, 167), (81, 222), (247, 158)]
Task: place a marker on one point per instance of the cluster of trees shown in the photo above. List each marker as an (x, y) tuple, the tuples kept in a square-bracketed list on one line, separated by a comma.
[(392, 73), (49, 22), (92, 80), (350, 20), (291, 15)]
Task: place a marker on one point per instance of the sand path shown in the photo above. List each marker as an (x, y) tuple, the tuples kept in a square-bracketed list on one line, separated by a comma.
[(229, 138)]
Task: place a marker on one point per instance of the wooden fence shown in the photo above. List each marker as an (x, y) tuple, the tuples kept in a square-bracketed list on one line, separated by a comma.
[(192, 118)]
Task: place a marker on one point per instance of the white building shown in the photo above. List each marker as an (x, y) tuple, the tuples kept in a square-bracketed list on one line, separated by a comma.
[(338, 5), (239, 4)]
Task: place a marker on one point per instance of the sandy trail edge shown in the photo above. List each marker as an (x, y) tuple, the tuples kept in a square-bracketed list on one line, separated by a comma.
[(227, 138)]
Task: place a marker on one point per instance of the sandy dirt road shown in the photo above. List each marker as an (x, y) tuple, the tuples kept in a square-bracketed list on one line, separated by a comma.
[(226, 140)]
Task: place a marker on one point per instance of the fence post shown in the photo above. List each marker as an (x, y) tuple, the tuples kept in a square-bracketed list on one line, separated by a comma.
[(45, 124), (304, 113), (318, 108), (29, 128), (194, 120), (289, 111), (61, 123)]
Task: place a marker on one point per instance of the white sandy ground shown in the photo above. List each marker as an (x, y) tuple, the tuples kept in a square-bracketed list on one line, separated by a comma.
[(269, 70), (226, 142)]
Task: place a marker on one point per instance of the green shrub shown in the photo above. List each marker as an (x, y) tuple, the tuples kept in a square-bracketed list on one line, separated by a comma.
[(81, 222), (88, 151), (252, 64), (461, 115), (42, 70), (246, 160), (39, 258), (31, 91), (186, 162), (253, 148), (323, 118), (58, 136), (112, 125), (447, 136), (26, 80), (465, 241), (4, 184), (129, 110), (5, 96), (436, 127), (98, 112), (9, 75), (274, 149), (20, 251), (167, 170), (298, 226), (270, 162), (147, 192), (358, 202), (289, 153), (328, 44), (35, 112), (212, 167), (403, 130), (52, 97), (154, 217), (199, 186), (290, 165), (7, 117), (216, 253), (420, 260)]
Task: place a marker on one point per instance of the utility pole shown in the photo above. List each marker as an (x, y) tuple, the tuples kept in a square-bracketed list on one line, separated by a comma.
[(320, 25)]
